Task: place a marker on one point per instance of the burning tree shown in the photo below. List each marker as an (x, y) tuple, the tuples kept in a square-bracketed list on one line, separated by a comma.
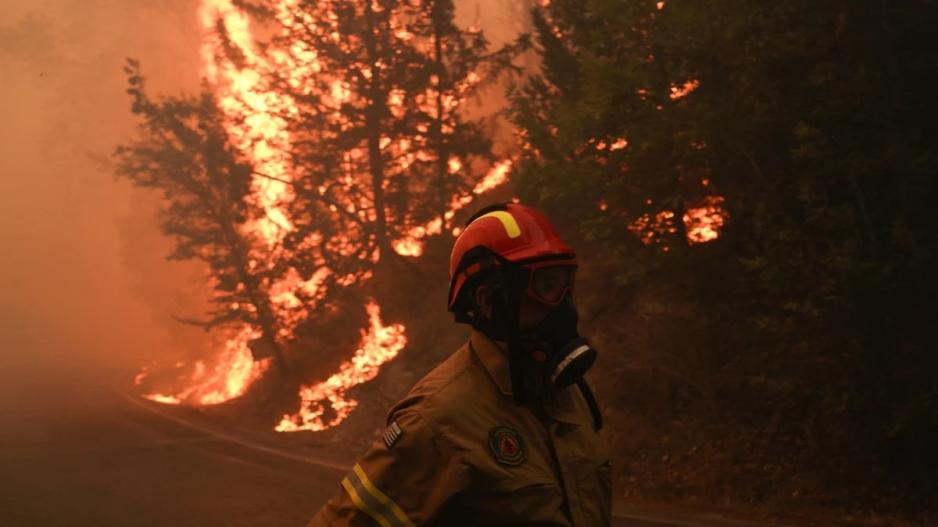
[(379, 152), (185, 152), (347, 141), (382, 151)]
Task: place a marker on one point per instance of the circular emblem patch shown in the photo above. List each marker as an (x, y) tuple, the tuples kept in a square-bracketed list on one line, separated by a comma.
[(507, 446)]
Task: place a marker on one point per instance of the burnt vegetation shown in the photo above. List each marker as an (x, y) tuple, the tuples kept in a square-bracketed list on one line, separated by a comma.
[(785, 359)]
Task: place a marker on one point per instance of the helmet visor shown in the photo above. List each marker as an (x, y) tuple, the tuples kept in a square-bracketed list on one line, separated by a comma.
[(550, 284)]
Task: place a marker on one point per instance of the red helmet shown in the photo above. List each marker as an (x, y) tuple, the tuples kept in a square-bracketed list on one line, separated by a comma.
[(515, 233)]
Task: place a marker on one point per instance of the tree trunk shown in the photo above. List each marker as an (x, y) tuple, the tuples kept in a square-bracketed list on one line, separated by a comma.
[(442, 161), (266, 321), (373, 114)]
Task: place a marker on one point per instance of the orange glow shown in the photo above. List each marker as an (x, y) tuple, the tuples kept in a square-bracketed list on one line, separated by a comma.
[(455, 165), (408, 247), (702, 223), (326, 404), (164, 399), (256, 121), (229, 375), (705, 222), (679, 92), (619, 144), (412, 244), (651, 229), (258, 131)]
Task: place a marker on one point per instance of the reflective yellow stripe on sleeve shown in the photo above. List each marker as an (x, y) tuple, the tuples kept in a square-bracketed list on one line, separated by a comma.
[(362, 505), (372, 501)]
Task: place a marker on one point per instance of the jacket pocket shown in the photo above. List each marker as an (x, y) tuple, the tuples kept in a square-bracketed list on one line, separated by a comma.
[(604, 474), (521, 501), (595, 492)]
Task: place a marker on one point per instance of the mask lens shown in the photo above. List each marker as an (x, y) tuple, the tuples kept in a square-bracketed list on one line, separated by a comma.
[(549, 284)]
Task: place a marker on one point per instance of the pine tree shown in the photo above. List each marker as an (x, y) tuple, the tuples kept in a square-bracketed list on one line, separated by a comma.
[(815, 122), (606, 120), (184, 152)]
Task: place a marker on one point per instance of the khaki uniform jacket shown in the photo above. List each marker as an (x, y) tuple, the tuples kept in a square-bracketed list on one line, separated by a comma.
[(459, 451)]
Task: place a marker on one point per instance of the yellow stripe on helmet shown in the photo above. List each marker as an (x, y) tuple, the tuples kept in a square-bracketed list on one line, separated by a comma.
[(508, 221)]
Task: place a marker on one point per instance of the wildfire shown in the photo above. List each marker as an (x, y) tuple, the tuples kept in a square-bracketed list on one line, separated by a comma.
[(702, 223), (412, 244), (256, 124), (325, 404), (229, 375), (262, 135), (679, 92)]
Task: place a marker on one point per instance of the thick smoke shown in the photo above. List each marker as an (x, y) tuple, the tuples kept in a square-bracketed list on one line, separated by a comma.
[(85, 291)]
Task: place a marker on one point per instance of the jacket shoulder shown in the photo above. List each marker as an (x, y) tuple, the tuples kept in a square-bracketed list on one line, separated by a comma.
[(453, 388)]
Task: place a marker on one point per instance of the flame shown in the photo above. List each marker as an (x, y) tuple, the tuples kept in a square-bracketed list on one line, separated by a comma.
[(379, 344), (256, 122), (619, 144), (678, 92), (231, 373), (262, 135), (412, 245), (702, 223)]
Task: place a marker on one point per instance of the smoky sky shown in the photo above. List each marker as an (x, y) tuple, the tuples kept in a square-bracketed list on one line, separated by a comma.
[(85, 291)]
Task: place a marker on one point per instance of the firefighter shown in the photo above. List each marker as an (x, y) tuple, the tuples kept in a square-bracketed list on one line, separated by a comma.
[(506, 430)]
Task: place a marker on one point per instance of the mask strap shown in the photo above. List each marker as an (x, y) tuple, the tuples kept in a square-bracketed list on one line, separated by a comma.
[(591, 401)]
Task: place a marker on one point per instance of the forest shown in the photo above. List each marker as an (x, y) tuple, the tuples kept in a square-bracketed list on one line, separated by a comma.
[(750, 186)]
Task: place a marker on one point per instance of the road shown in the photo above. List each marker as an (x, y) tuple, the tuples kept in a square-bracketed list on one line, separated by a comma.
[(102, 460), (109, 463)]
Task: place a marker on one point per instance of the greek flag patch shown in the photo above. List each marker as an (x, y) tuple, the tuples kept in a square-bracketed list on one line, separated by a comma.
[(392, 434)]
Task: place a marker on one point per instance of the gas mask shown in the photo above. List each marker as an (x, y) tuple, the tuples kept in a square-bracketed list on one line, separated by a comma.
[(551, 355), (556, 347)]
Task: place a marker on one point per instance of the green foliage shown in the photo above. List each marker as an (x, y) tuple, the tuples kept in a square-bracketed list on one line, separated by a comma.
[(815, 121)]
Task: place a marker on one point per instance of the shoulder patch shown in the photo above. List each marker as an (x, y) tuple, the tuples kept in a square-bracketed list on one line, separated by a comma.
[(507, 446), (391, 434)]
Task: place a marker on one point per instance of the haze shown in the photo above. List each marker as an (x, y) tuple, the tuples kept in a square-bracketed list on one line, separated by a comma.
[(86, 292), (87, 295)]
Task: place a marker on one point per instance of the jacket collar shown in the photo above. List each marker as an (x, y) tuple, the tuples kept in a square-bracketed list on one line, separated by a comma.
[(494, 360)]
